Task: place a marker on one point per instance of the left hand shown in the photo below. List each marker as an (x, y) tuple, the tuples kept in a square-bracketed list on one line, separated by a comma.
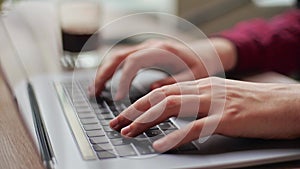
[(253, 110), (174, 58)]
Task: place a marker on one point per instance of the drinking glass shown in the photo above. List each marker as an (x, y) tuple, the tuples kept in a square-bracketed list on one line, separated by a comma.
[(79, 23)]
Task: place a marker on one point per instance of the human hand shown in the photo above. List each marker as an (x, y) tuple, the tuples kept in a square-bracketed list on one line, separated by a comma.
[(173, 57), (234, 108)]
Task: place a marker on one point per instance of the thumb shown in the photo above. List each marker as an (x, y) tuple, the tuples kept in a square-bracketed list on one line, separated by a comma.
[(192, 131)]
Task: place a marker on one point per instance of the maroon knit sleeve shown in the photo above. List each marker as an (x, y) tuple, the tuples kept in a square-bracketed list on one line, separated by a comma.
[(267, 45)]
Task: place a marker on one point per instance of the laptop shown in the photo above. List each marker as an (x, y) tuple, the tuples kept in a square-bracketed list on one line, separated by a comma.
[(76, 127)]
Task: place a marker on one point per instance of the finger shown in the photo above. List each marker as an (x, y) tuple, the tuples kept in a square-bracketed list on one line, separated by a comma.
[(106, 71), (131, 113), (141, 59), (129, 71), (194, 130), (151, 99), (183, 106), (202, 89), (163, 82), (183, 76)]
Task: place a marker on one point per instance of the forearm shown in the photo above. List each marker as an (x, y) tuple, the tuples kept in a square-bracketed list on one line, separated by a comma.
[(263, 45), (286, 110), (282, 111)]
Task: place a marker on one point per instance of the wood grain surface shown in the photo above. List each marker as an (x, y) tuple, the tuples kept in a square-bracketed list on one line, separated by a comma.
[(16, 147)]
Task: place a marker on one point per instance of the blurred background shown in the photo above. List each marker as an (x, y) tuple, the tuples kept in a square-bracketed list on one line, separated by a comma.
[(209, 15), (34, 26)]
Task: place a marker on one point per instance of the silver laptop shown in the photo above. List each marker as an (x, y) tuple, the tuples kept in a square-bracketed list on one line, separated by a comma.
[(78, 135)]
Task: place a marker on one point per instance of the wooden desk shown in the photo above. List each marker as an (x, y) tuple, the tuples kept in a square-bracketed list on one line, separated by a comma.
[(40, 52), (16, 147)]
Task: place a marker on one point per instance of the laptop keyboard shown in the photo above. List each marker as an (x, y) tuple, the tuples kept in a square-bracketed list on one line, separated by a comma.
[(94, 116)]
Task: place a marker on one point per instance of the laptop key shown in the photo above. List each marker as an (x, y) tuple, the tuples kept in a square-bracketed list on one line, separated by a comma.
[(125, 150), (157, 137), (141, 136), (187, 147), (116, 113), (88, 127), (166, 126), (168, 131), (113, 134), (152, 133), (98, 140), (104, 122), (102, 111), (83, 109), (154, 128), (81, 105), (105, 117), (85, 83), (144, 147), (85, 115), (89, 121), (119, 141), (107, 128), (94, 133), (106, 154), (76, 94), (78, 100), (102, 147)]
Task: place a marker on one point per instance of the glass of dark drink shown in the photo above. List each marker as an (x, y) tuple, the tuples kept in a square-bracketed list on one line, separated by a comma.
[(79, 22)]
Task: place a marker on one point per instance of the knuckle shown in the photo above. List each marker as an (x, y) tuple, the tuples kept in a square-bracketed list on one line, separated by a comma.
[(156, 91), (157, 94), (172, 101), (210, 83), (196, 129), (164, 90), (133, 59), (217, 82), (213, 78), (162, 45), (134, 125), (118, 56), (203, 86), (150, 41), (161, 91)]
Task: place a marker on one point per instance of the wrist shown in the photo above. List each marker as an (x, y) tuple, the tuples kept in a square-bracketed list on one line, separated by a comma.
[(227, 52)]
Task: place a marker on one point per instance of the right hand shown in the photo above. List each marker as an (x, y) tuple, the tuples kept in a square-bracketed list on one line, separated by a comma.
[(178, 59), (220, 106)]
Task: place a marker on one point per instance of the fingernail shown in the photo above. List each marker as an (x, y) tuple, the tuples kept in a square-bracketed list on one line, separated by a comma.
[(125, 131), (160, 145), (113, 123)]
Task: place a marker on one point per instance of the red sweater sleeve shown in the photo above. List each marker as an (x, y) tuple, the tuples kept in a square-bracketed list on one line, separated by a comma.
[(267, 45)]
